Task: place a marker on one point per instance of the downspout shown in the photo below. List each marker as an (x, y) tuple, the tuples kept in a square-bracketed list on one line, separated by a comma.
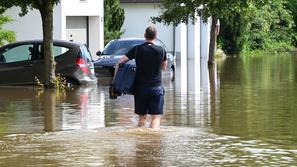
[(88, 31), (174, 38)]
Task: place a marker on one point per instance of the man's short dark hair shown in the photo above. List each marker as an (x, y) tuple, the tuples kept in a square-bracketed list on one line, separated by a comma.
[(150, 33)]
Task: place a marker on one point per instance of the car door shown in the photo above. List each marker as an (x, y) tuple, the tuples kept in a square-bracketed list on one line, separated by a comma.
[(61, 64), (17, 67)]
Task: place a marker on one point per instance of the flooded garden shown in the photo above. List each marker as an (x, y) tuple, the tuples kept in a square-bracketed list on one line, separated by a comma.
[(247, 118)]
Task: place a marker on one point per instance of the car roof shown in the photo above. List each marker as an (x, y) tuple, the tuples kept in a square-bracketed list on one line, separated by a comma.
[(132, 39), (129, 39), (55, 41)]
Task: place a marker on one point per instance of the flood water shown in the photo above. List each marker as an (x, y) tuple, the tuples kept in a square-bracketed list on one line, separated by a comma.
[(247, 117)]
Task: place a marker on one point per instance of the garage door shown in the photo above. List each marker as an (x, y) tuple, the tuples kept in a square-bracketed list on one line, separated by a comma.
[(77, 28)]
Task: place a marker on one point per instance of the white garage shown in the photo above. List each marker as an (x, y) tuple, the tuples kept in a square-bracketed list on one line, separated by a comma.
[(77, 28), (78, 20)]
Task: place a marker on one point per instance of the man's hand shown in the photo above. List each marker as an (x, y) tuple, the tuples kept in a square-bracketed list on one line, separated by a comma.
[(123, 60)]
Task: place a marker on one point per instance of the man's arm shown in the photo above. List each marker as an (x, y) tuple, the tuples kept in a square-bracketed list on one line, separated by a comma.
[(164, 65), (123, 60)]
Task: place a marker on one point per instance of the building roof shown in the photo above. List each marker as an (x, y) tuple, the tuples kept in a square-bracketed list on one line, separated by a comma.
[(140, 1)]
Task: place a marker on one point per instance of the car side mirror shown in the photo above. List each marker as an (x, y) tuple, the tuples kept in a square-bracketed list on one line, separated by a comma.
[(98, 53)]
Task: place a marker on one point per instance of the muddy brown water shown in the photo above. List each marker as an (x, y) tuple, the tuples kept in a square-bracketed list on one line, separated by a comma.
[(248, 118)]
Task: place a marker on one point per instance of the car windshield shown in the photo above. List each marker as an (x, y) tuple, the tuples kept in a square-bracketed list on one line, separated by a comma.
[(120, 47)]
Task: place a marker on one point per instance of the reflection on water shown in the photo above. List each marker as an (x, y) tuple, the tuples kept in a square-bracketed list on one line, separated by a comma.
[(244, 115)]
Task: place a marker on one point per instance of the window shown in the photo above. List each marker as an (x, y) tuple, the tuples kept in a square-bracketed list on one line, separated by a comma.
[(17, 53), (120, 47), (57, 50), (85, 52)]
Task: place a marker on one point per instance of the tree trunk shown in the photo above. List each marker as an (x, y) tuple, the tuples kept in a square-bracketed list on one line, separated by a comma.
[(213, 95), (49, 110), (213, 40), (46, 12)]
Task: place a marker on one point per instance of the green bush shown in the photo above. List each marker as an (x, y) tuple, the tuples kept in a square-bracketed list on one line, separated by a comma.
[(232, 38), (269, 27), (6, 35), (114, 17), (292, 7)]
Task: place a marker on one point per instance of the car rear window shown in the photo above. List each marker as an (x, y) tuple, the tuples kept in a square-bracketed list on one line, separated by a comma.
[(86, 53), (17, 53), (59, 50)]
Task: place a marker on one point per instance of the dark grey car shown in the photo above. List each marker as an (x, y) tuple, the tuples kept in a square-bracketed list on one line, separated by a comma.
[(115, 49), (22, 62)]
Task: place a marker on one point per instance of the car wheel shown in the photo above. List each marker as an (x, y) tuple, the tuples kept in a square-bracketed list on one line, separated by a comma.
[(71, 82)]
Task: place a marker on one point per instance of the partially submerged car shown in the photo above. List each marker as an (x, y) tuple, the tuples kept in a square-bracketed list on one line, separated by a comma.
[(21, 63), (116, 48)]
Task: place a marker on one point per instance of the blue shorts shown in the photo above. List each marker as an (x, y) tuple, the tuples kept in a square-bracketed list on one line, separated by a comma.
[(149, 100)]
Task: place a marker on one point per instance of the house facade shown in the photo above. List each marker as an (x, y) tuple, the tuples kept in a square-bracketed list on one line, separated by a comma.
[(138, 15), (189, 43), (78, 20), (137, 18)]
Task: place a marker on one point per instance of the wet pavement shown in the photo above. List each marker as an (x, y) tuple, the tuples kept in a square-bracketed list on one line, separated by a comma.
[(247, 118)]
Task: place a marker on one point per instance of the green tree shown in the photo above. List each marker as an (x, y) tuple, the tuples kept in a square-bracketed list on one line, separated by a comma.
[(269, 27), (232, 33), (114, 17), (292, 7), (45, 7), (176, 11), (5, 35)]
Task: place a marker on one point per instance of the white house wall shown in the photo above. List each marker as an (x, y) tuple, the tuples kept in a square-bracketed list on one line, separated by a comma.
[(30, 26), (94, 9), (137, 18), (96, 35), (58, 21), (82, 7), (193, 70), (181, 57), (205, 38), (77, 28)]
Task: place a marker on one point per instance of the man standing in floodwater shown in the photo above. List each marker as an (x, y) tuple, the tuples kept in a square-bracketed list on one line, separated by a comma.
[(149, 93)]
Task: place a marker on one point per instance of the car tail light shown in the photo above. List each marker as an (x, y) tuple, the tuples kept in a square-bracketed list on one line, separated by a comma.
[(82, 64)]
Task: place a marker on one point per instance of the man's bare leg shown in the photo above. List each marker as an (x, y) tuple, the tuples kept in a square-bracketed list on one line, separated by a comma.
[(155, 124), (141, 120)]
